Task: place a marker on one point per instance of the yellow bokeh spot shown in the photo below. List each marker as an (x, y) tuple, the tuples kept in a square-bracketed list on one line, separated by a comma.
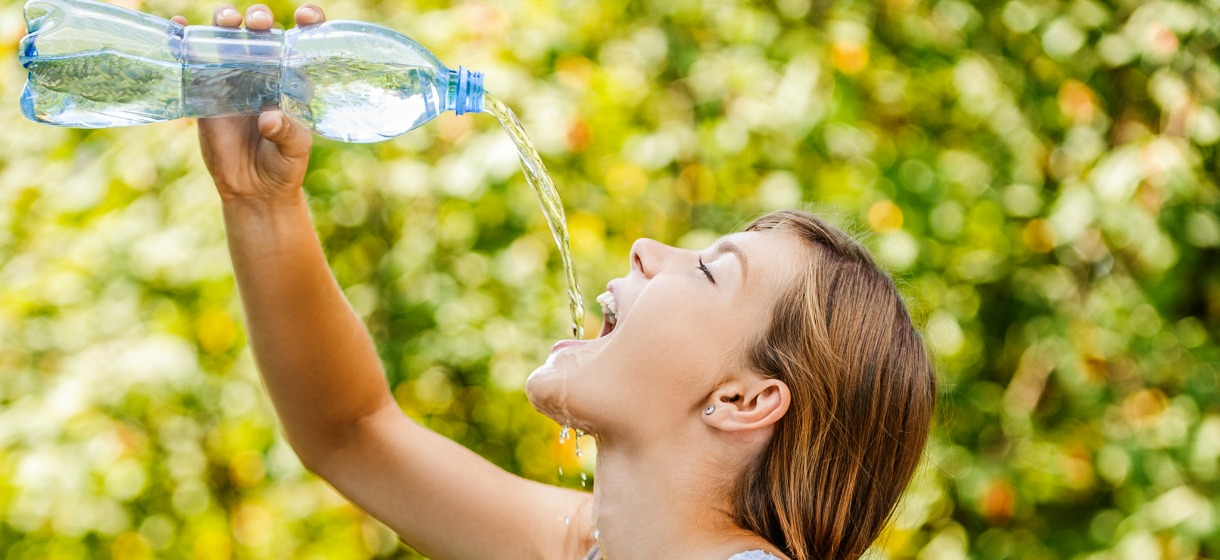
[(1078, 470), (130, 546), (626, 182), (848, 57), (1038, 236), (253, 525), (574, 71), (893, 540), (884, 216), (587, 233), (213, 544), (1077, 102), (246, 469), (696, 184), (216, 331), (452, 129), (1143, 408)]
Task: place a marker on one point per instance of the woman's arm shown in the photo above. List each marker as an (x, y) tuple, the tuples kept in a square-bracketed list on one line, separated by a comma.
[(329, 391), (324, 376), (315, 357)]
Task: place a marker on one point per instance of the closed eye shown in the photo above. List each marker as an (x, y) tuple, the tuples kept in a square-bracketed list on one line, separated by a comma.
[(706, 272)]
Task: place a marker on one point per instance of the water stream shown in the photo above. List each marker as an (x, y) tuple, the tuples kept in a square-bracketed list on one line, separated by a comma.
[(552, 207)]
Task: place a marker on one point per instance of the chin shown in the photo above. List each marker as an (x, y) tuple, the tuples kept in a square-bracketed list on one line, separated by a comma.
[(548, 390)]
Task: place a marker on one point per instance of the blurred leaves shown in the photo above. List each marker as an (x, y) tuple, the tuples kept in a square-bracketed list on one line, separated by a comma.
[(1040, 176)]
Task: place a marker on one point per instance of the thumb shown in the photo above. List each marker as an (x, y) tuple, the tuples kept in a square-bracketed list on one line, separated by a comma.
[(290, 138)]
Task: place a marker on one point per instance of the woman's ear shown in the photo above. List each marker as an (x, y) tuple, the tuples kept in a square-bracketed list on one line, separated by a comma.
[(751, 404)]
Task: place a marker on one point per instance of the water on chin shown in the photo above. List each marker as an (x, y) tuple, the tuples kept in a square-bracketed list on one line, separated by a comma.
[(547, 386)]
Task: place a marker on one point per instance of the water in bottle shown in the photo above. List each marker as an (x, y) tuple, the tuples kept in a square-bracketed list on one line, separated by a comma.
[(95, 65)]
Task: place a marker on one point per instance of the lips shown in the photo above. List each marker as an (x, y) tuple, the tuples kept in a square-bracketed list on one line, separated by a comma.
[(611, 316), (609, 312)]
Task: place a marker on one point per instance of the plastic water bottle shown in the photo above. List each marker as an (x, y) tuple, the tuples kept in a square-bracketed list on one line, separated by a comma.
[(94, 65)]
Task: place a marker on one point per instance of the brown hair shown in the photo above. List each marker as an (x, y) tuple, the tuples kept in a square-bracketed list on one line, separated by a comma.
[(863, 392)]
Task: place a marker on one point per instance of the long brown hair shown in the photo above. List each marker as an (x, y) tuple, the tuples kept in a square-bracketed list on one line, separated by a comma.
[(863, 392)]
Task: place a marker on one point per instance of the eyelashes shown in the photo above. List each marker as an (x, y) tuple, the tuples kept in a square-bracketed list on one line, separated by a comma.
[(706, 272)]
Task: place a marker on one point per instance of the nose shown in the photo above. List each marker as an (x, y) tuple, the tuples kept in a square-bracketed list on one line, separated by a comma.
[(648, 257)]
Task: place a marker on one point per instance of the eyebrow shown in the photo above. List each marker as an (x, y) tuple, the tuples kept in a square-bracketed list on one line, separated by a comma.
[(730, 247)]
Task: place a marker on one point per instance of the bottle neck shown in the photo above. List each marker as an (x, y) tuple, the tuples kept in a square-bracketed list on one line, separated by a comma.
[(465, 93)]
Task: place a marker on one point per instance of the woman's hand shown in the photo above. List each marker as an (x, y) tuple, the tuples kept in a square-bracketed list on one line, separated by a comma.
[(260, 157), (324, 374)]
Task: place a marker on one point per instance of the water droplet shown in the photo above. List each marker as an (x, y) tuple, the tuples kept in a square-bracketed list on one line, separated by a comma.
[(567, 520), (560, 471), (584, 480), (563, 434), (596, 533)]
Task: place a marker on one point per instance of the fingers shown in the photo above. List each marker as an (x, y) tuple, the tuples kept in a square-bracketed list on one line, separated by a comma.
[(309, 14), (180, 20), (258, 17), (226, 16), (291, 138)]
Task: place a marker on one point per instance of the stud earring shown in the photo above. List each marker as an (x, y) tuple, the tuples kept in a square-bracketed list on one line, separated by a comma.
[(710, 409)]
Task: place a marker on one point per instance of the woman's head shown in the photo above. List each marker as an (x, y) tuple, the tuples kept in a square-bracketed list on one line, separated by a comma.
[(863, 391), (677, 337), (821, 391)]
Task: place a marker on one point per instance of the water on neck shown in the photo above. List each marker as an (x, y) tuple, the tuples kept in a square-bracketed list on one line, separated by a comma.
[(552, 207)]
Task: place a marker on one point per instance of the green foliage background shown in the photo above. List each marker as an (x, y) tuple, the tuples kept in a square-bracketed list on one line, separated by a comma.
[(1039, 175)]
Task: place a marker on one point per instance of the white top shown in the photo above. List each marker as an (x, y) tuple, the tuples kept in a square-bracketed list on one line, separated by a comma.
[(754, 555), (595, 554)]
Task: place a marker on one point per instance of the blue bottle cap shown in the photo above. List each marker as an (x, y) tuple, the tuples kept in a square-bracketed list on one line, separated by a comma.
[(466, 88)]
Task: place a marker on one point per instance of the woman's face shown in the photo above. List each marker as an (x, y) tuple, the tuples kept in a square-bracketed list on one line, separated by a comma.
[(685, 320)]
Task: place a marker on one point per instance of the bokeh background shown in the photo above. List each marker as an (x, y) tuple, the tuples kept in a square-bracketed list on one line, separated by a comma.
[(1040, 176)]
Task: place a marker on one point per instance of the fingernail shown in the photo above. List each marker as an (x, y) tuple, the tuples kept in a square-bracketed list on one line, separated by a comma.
[(307, 12), (278, 125), (228, 13), (259, 15)]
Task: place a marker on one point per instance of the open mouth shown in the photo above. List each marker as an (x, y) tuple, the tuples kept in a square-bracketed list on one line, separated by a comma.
[(609, 313)]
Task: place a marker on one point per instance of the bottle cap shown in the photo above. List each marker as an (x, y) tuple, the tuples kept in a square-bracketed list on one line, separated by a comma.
[(466, 88)]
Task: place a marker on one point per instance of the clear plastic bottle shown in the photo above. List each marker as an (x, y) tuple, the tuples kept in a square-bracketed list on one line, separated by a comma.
[(95, 65)]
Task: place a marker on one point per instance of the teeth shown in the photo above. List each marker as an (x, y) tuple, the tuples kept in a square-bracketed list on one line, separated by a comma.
[(609, 307)]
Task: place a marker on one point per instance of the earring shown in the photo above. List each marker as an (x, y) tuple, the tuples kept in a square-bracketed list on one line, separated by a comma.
[(710, 409)]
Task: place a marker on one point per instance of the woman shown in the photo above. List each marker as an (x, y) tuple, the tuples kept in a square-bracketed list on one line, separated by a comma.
[(766, 397)]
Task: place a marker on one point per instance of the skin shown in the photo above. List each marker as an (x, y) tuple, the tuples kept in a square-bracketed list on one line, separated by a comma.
[(664, 467)]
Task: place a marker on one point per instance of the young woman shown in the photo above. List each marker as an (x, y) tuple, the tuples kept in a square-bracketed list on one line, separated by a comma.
[(765, 397)]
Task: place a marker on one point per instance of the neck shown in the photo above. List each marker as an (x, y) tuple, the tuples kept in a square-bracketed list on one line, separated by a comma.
[(665, 504)]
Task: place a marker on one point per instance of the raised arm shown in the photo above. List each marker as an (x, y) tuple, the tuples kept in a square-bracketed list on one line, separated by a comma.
[(324, 376)]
